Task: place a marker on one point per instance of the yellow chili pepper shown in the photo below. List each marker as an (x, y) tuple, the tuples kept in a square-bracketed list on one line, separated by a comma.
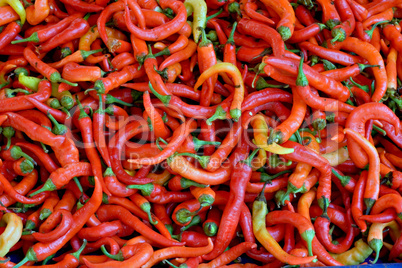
[(337, 157), (18, 8), (354, 256), (238, 97), (260, 210), (276, 149), (199, 8), (11, 234), (260, 130), (375, 236)]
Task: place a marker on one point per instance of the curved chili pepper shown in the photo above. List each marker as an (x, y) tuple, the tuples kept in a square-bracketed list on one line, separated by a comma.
[(372, 55), (65, 224), (184, 252), (141, 253), (345, 29), (262, 235), (268, 34), (115, 143), (63, 175), (229, 255), (314, 78), (372, 185), (160, 32), (40, 251), (230, 217), (111, 212), (357, 201), (358, 117)]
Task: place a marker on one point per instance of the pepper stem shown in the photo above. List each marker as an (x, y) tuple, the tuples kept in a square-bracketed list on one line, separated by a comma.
[(376, 244), (343, 179), (8, 132), (199, 143), (109, 99), (250, 157), (30, 256), (186, 183), (169, 263), (146, 207), (203, 160), (83, 114), (210, 228), (79, 251), (16, 153), (48, 186), (338, 34), (146, 189), (58, 129), (265, 177), (195, 221), (165, 99), (219, 114), (230, 39), (301, 80), (117, 257), (33, 38), (77, 182), (214, 15), (371, 31), (308, 236)]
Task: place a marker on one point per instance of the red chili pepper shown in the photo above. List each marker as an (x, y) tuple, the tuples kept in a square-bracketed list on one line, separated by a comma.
[(160, 32), (110, 212), (357, 201), (262, 31)]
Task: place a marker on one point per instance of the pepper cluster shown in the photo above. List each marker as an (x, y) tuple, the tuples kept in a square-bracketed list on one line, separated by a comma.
[(198, 133)]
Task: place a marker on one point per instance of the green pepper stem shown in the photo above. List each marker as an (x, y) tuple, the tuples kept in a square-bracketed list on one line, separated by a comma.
[(45, 261), (376, 244), (79, 186), (214, 15), (33, 38), (79, 251), (267, 178), (338, 35), (58, 129), (219, 114), (8, 132), (204, 159), (186, 183), (117, 257), (30, 256), (169, 263), (110, 100), (230, 39), (146, 189), (195, 221), (301, 80), (48, 186), (163, 52), (343, 179), (371, 31), (146, 207), (308, 236), (16, 153), (165, 99), (380, 130), (200, 143), (210, 228), (44, 214)]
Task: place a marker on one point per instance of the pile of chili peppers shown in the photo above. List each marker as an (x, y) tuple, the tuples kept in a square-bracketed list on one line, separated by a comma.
[(200, 133)]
